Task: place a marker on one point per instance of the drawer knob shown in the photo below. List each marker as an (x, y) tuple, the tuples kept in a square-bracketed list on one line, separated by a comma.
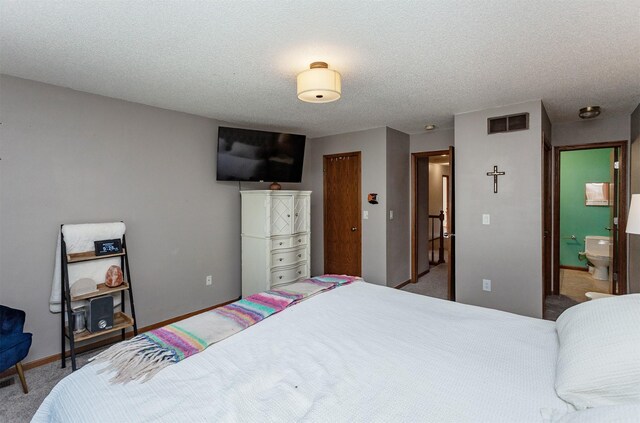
[(299, 255), (279, 277), (296, 214), (288, 215), (280, 243), (281, 259), (300, 240), (299, 272)]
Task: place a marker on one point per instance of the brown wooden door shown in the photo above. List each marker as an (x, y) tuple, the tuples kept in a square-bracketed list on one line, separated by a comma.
[(452, 227), (617, 250), (342, 205)]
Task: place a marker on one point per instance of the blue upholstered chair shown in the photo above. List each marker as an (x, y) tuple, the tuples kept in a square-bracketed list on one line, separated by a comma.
[(14, 343)]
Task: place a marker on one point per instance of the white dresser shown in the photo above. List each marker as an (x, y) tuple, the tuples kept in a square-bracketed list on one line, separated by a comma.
[(275, 239)]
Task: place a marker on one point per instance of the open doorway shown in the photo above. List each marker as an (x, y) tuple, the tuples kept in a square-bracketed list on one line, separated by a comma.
[(589, 243), (432, 252)]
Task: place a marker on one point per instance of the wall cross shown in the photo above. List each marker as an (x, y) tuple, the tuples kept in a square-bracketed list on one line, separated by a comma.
[(495, 175)]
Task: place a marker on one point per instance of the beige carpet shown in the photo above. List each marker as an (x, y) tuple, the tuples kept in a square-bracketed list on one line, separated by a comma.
[(17, 407), (433, 284), (554, 305)]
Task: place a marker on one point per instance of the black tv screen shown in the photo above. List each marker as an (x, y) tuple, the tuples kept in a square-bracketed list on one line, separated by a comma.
[(248, 155)]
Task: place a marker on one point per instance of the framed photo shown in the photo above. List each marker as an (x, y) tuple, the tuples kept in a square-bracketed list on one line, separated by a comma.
[(597, 194), (108, 246)]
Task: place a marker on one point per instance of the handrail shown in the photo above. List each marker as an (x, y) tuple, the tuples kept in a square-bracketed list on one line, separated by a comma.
[(432, 239)]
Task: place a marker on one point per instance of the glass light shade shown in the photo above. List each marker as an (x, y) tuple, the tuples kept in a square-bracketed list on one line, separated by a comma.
[(319, 85), (633, 221), (589, 112)]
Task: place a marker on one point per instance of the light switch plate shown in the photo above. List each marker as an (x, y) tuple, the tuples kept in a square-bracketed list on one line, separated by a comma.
[(365, 214), (486, 219), (390, 214)]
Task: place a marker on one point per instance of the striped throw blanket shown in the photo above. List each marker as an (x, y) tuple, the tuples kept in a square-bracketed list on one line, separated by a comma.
[(141, 357)]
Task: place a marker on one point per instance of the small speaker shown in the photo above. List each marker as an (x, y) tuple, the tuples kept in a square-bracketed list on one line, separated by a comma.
[(100, 313)]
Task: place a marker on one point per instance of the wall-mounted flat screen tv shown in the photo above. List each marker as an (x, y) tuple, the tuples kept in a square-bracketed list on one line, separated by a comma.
[(248, 155)]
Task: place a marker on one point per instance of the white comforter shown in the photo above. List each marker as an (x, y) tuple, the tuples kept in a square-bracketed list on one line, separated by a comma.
[(359, 353)]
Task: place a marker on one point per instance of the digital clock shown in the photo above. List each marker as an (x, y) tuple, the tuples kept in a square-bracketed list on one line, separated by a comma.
[(108, 246)]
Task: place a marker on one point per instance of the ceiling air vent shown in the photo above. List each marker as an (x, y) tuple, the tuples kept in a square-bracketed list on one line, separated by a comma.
[(496, 125)]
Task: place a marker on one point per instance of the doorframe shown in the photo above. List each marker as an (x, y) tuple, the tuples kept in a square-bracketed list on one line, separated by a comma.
[(622, 210), (447, 190), (547, 217), (326, 157), (414, 207)]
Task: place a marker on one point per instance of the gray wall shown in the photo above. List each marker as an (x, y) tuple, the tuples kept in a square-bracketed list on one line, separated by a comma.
[(436, 171), (439, 139), (508, 252), (614, 128), (372, 144), (72, 157), (634, 240), (398, 229)]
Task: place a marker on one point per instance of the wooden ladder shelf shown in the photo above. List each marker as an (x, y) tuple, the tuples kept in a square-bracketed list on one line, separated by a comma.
[(121, 319)]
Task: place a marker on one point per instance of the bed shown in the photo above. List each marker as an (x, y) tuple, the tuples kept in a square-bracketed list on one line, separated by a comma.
[(361, 352)]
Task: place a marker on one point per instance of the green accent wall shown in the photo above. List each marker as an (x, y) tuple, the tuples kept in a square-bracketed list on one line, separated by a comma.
[(576, 169)]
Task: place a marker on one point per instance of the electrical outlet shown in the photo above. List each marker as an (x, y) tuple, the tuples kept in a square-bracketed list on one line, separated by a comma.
[(209, 280), (486, 285), (486, 219)]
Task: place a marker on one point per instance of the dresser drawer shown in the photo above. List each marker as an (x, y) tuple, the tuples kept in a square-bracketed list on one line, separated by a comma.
[(292, 274), (287, 257), (281, 242), (302, 239)]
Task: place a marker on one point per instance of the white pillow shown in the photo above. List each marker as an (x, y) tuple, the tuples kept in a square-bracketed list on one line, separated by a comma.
[(599, 355)]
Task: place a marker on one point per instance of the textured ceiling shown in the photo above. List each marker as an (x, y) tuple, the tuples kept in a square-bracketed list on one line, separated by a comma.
[(404, 63)]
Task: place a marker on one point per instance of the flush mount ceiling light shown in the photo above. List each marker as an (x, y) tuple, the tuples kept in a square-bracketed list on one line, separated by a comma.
[(319, 84), (589, 112), (430, 127)]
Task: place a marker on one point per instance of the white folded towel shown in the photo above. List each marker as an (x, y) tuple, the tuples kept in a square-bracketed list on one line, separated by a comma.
[(79, 239)]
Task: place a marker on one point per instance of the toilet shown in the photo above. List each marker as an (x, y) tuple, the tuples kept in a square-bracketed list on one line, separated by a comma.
[(597, 252)]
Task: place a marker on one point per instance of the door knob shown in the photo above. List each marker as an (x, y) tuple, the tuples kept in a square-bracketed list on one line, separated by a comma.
[(607, 228), (448, 235), (354, 229)]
